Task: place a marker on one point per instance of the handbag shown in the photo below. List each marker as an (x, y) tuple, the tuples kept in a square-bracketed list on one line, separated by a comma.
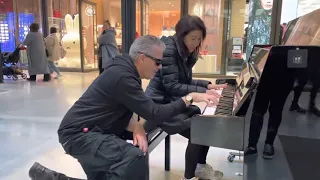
[(47, 52)]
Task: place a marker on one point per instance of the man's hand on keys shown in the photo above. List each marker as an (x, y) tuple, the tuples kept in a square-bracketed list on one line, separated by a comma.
[(205, 97)]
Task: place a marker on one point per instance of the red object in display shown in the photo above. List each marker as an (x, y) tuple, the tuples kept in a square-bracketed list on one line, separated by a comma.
[(57, 14), (236, 56), (6, 6)]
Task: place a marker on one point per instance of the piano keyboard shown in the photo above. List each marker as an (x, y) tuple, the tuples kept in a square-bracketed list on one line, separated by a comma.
[(226, 102)]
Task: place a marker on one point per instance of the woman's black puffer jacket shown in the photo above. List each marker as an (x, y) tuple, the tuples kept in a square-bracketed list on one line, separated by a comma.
[(174, 79)]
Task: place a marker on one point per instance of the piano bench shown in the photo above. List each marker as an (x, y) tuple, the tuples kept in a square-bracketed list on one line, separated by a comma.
[(155, 137)]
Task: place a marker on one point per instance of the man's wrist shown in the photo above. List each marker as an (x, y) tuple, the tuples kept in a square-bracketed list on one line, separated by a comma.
[(185, 101)]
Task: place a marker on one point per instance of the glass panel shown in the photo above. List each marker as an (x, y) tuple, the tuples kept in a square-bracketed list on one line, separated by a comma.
[(7, 26), (164, 15), (259, 27), (28, 12), (237, 39), (88, 32), (146, 18), (112, 12), (138, 18), (61, 14), (210, 12)]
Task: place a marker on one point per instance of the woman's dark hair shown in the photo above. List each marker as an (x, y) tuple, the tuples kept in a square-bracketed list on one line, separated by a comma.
[(184, 26), (53, 30), (34, 27)]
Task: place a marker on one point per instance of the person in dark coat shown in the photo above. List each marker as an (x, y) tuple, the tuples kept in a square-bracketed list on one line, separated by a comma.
[(93, 130), (174, 80), (36, 51), (107, 45)]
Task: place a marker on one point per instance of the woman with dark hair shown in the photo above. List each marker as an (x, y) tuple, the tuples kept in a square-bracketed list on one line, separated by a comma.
[(53, 47), (174, 80), (36, 52)]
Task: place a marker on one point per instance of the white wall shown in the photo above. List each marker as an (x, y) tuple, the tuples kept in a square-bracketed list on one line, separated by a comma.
[(289, 10), (307, 6)]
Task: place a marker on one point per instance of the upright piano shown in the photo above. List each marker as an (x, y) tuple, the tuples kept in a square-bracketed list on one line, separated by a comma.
[(269, 74)]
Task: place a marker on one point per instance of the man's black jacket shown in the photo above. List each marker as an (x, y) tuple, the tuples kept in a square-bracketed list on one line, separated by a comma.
[(174, 79), (110, 101)]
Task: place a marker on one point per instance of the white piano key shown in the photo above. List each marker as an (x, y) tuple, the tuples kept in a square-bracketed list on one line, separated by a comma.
[(219, 91), (210, 110)]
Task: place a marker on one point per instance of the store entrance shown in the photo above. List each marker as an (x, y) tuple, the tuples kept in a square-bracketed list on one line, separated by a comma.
[(88, 32)]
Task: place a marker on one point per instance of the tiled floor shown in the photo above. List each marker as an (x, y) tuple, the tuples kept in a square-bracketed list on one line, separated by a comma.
[(31, 112)]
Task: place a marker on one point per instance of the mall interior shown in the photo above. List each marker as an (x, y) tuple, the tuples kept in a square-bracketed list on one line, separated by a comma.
[(264, 49)]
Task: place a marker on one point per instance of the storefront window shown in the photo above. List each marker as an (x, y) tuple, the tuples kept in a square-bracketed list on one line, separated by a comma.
[(14, 25), (259, 29), (163, 17), (28, 12), (138, 18), (111, 11), (7, 26), (210, 12), (238, 37), (89, 35), (64, 15)]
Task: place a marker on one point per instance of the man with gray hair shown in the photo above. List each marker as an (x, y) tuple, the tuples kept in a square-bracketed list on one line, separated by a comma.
[(93, 129)]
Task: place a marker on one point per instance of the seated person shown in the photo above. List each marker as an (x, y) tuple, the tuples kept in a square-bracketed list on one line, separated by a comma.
[(174, 80), (93, 129)]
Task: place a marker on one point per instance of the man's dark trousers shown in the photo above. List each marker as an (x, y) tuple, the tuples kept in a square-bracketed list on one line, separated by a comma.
[(107, 157)]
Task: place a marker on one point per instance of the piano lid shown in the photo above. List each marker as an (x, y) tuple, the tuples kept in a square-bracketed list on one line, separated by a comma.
[(306, 31)]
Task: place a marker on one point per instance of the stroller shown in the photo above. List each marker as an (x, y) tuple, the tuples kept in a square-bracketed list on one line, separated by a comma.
[(12, 66)]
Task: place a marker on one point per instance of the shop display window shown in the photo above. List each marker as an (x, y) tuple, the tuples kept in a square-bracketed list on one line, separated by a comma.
[(112, 13), (11, 32), (7, 34), (210, 12), (162, 17), (64, 15), (28, 12), (259, 27)]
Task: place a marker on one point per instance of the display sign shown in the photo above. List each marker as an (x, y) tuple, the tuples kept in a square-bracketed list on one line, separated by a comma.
[(259, 27)]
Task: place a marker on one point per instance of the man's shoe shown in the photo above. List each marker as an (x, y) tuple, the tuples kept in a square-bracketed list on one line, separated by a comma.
[(205, 171), (268, 151), (250, 151), (39, 172), (297, 108)]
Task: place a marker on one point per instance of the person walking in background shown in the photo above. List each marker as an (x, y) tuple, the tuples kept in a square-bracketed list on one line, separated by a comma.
[(53, 47), (108, 45), (36, 52)]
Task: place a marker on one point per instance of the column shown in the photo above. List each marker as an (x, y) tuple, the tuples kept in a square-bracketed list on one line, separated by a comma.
[(128, 18)]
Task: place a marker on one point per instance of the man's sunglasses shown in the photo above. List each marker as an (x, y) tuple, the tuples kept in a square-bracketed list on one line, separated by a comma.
[(157, 61)]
